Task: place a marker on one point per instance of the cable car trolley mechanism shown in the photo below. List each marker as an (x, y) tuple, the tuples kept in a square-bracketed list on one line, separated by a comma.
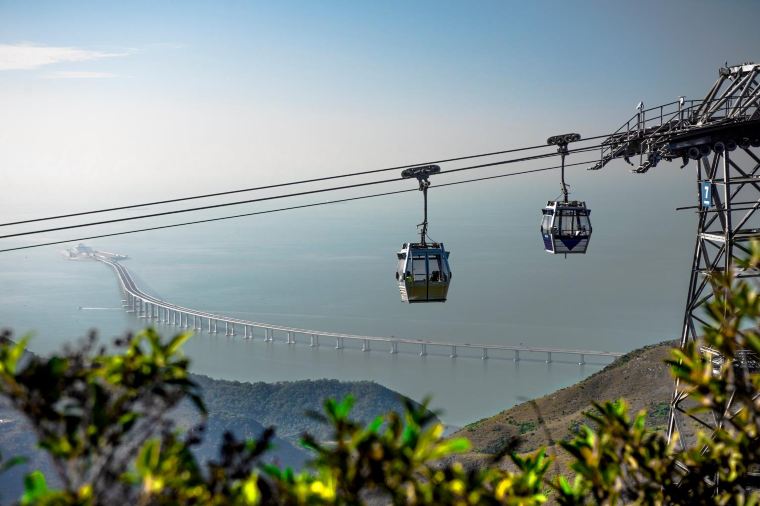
[(565, 224), (423, 272)]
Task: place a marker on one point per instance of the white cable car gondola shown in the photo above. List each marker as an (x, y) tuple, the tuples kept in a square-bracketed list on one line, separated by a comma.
[(565, 224), (423, 272)]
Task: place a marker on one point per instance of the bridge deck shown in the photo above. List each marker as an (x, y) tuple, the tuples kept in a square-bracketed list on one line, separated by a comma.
[(130, 289)]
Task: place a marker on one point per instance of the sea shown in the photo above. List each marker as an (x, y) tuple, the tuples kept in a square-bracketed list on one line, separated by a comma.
[(331, 268)]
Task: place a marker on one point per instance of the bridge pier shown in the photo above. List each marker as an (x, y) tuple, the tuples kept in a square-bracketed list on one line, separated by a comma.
[(338, 343), (423, 350), (548, 357), (394, 347), (226, 328), (453, 352), (314, 341), (269, 338), (582, 361), (291, 338), (485, 354), (365, 345), (517, 356)]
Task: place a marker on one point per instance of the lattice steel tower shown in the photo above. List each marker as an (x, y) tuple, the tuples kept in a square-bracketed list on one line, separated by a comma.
[(721, 133)]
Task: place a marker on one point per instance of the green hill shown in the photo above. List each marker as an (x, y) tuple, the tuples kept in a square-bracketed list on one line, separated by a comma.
[(242, 408), (285, 405)]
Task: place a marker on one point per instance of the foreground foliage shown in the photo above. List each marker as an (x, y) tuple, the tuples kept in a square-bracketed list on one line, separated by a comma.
[(103, 417)]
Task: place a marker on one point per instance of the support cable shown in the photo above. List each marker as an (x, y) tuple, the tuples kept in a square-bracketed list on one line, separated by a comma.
[(275, 197), (279, 185), (303, 206)]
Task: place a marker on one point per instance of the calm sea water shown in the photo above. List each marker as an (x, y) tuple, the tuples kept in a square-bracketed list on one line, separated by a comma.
[(331, 268)]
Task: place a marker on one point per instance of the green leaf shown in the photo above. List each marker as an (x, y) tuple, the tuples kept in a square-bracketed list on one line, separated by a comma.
[(12, 462), (176, 342), (35, 487)]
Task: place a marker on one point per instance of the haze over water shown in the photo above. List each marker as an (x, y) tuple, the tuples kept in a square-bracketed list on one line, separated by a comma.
[(118, 103), (331, 269)]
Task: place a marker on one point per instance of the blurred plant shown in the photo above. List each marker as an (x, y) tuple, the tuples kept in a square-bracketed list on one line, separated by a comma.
[(92, 410), (623, 462), (102, 417)]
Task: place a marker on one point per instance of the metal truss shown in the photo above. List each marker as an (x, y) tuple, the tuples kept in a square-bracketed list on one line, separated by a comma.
[(688, 129), (721, 133), (729, 218)]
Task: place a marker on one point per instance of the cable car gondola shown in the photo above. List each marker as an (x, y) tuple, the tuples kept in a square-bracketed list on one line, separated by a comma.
[(565, 224), (423, 272)]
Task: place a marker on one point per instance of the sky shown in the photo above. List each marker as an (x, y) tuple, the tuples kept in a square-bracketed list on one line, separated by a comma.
[(110, 103), (116, 102)]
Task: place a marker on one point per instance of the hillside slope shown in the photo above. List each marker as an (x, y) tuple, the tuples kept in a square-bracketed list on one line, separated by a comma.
[(641, 377)]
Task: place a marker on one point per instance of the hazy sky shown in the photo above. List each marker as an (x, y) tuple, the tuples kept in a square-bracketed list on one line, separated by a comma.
[(114, 102)]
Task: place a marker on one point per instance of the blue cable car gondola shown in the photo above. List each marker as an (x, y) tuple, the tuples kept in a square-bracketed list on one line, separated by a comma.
[(565, 224), (423, 272)]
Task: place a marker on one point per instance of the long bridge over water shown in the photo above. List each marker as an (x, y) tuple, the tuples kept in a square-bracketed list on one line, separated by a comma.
[(152, 308)]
